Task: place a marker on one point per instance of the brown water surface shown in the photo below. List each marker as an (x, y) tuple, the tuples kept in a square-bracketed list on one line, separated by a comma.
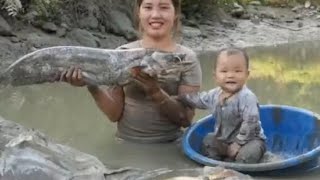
[(287, 74)]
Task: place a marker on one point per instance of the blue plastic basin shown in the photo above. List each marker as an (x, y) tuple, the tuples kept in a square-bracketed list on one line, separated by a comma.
[(292, 133)]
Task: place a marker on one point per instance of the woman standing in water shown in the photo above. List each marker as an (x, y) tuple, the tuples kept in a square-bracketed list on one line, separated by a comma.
[(144, 109)]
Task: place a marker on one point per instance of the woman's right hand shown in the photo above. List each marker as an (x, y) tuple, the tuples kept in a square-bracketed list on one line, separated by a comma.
[(73, 76)]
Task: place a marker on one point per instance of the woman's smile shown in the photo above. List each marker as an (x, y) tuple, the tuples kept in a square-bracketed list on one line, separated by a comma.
[(156, 24)]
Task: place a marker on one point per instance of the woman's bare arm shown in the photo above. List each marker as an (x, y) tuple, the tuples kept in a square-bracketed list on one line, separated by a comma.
[(110, 102)]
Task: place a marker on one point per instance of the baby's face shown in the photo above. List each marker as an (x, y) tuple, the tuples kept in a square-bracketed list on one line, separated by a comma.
[(231, 72)]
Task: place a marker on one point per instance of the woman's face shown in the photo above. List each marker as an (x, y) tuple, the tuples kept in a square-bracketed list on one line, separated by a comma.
[(157, 18)]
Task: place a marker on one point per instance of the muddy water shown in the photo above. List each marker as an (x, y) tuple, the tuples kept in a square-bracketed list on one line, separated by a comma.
[(287, 74)]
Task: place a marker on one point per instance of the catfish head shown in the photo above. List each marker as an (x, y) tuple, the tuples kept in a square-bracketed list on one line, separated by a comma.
[(162, 63)]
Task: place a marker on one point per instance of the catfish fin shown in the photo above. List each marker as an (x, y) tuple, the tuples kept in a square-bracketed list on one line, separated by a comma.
[(90, 79)]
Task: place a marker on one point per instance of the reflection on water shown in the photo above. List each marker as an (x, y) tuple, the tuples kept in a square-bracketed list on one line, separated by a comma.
[(287, 74)]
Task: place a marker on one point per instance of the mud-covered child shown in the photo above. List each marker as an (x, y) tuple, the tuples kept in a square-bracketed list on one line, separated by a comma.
[(238, 135)]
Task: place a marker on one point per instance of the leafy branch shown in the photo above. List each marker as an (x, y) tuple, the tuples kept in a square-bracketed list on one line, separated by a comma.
[(11, 6)]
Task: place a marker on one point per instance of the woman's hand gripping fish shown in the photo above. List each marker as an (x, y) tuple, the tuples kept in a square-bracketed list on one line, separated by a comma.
[(99, 66)]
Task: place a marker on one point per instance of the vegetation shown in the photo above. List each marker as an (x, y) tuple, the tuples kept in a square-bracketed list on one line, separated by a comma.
[(44, 8), (11, 6)]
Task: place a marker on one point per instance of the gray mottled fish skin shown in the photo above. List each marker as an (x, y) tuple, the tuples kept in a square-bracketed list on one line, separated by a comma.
[(99, 66), (30, 155)]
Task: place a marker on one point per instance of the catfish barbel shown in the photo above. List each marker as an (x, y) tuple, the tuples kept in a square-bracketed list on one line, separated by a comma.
[(99, 66)]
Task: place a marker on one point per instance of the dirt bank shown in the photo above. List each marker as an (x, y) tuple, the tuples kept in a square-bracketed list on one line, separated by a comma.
[(265, 26), (255, 25)]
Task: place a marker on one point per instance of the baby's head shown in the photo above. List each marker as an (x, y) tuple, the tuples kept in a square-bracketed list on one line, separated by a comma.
[(231, 69)]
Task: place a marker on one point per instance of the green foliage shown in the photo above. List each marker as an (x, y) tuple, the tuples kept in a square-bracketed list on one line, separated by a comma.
[(11, 6), (46, 9)]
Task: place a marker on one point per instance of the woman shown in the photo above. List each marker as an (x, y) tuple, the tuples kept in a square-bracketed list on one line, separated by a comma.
[(144, 109)]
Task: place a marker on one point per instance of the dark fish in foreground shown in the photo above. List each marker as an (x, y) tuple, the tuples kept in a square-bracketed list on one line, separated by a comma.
[(99, 66)]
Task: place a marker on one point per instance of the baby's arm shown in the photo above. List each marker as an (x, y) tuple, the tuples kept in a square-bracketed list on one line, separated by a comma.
[(251, 125), (200, 100)]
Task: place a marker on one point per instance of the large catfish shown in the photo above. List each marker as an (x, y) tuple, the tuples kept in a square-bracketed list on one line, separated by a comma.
[(99, 66)]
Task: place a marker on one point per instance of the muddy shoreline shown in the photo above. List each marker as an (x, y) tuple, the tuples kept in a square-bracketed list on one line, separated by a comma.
[(262, 26), (267, 26)]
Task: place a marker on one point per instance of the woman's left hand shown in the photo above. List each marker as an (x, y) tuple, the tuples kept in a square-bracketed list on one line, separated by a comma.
[(148, 83)]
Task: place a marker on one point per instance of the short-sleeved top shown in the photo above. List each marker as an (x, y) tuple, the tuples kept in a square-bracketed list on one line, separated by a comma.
[(141, 120), (237, 119)]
